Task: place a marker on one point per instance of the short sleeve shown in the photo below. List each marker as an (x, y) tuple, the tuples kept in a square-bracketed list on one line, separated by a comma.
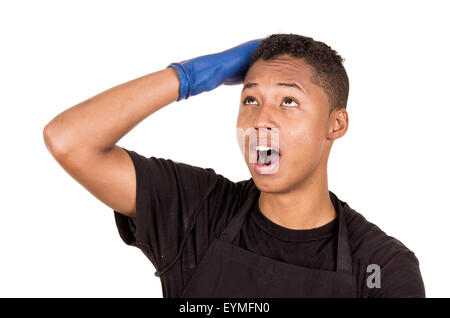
[(168, 195), (401, 278)]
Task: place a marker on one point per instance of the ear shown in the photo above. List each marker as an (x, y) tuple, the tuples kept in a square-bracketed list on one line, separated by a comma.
[(338, 123)]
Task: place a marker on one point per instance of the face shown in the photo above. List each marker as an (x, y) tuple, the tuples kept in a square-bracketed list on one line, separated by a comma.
[(298, 118)]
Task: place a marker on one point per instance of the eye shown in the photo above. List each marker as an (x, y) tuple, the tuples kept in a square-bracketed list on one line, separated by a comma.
[(248, 98), (289, 101)]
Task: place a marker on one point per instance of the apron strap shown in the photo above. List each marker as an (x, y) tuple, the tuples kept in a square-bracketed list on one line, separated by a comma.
[(344, 258), (236, 223)]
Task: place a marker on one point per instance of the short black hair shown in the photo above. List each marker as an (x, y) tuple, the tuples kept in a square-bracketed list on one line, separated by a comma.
[(328, 70)]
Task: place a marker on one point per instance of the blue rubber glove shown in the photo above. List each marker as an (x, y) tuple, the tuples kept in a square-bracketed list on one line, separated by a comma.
[(204, 73)]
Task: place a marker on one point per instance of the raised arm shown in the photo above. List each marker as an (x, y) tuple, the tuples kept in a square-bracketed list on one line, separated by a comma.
[(83, 138)]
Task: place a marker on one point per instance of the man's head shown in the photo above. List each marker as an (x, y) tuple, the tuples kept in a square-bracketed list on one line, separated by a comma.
[(308, 111)]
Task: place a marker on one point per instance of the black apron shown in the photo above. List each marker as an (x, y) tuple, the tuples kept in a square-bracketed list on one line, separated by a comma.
[(228, 271)]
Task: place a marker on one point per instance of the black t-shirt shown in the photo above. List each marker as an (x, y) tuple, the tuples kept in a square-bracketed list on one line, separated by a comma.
[(181, 208)]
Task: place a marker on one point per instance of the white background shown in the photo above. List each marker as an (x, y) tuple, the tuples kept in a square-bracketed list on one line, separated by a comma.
[(57, 240)]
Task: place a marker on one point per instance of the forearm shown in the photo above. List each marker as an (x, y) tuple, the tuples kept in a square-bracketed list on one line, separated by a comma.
[(99, 122)]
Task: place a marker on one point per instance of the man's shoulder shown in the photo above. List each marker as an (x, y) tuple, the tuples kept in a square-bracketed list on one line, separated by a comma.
[(239, 189), (369, 243), (372, 248)]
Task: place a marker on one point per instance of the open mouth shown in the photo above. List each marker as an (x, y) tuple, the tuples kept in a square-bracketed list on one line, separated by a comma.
[(266, 160), (266, 155)]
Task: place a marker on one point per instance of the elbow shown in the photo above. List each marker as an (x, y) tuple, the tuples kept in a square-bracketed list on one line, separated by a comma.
[(53, 141)]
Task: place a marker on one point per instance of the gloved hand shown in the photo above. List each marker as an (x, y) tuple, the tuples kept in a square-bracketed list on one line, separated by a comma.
[(204, 73)]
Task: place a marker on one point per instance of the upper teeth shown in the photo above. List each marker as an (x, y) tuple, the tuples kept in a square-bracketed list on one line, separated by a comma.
[(263, 148)]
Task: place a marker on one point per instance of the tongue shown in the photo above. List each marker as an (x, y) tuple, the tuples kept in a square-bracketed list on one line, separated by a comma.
[(265, 157), (264, 161)]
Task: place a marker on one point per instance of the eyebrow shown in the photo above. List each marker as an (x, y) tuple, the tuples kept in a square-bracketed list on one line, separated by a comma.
[(251, 84)]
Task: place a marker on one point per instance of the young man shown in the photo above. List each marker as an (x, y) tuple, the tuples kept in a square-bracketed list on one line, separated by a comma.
[(281, 233)]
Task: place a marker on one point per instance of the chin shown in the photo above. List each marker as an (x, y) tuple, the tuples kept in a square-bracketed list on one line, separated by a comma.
[(279, 182), (269, 183)]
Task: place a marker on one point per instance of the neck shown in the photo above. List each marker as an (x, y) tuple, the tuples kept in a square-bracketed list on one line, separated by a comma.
[(306, 206)]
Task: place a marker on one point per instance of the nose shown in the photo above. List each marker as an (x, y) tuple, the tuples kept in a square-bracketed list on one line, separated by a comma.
[(266, 126), (264, 118)]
